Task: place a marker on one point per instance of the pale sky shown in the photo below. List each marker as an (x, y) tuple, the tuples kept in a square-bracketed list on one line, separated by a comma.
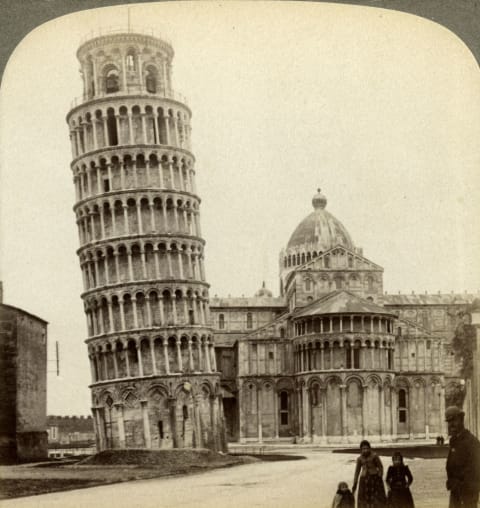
[(380, 109)]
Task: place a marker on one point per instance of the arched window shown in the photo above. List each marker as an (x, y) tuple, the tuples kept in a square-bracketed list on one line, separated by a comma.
[(350, 262), (112, 128), (112, 83), (282, 333), (326, 261), (221, 322), (315, 393), (356, 356), (308, 285), (390, 359), (283, 408), (249, 320), (402, 406), (338, 283), (348, 355)]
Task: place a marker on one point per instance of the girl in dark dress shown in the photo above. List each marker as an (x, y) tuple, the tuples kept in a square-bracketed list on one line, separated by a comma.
[(371, 491), (399, 479), (343, 497)]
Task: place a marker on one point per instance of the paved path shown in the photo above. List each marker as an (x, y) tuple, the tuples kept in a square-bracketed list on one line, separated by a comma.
[(284, 484)]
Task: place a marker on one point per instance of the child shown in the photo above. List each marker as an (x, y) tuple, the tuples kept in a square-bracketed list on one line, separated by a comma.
[(399, 478), (368, 478), (343, 498)]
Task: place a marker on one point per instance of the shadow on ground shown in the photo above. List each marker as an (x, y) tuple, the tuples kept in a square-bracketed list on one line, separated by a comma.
[(408, 451)]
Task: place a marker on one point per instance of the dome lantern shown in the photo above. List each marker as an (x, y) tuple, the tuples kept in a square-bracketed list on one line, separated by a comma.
[(319, 200)]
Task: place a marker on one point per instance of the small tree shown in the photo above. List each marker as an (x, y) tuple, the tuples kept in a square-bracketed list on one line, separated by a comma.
[(462, 343), (455, 395)]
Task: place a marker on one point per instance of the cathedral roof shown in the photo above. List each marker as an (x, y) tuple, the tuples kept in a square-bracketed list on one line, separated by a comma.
[(320, 228), (341, 302), (263, 301), (430, 299)]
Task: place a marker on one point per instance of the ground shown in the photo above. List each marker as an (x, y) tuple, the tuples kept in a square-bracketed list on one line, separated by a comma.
[(112, 466), (281, 484)]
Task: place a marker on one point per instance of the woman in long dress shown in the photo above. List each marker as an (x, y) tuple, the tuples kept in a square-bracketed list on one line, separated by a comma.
[(368, 477), (399, 478)]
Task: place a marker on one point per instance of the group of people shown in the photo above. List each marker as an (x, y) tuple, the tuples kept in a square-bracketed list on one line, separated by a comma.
[(369, 479), (463, 474)]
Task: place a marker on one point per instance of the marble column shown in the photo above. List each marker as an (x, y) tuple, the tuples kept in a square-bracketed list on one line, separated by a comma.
[(120, 425), (259, 414), (146, 424)]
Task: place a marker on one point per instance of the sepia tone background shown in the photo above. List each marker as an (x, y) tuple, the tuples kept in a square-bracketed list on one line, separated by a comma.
[(379, 108)]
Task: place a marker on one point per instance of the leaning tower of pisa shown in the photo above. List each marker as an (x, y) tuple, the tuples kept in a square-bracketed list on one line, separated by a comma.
[(154, 378)]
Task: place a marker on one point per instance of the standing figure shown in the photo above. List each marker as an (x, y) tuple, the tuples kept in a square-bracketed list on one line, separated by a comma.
[(343, 497), (463, 462), (399, 478), (371, 491)]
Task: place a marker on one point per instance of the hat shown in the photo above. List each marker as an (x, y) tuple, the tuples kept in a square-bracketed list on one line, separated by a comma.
[(453, 412)]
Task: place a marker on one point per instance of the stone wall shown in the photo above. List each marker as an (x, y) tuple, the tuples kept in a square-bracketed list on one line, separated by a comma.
[(31, 375), (23, 376), (8, 353)]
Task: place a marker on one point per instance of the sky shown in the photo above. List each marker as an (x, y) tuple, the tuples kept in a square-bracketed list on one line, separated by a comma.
[(379, 109)]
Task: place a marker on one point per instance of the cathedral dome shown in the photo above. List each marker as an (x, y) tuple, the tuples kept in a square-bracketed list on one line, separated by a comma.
[(263, 292), (320, 228)]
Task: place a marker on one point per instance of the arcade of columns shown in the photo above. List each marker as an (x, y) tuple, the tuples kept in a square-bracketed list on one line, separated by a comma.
[(137, 357), (345, 384), (141, 251), (130, 126)]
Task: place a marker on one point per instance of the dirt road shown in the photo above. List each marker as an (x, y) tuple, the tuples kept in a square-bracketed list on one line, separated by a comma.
[(290, 484)]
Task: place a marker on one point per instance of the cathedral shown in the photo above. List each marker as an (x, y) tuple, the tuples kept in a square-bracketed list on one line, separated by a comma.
[(331, 359), (334, 359)]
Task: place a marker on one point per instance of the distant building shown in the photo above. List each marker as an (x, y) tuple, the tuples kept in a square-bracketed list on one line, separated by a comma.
[(23, 381), (472, 399), (70, 435), (70, 429)]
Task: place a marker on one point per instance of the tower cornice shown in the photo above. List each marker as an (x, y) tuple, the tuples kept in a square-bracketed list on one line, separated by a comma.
[(116, 36)]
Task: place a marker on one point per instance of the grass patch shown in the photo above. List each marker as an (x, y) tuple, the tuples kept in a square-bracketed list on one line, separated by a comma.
[(110, 466), (34, 486)]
